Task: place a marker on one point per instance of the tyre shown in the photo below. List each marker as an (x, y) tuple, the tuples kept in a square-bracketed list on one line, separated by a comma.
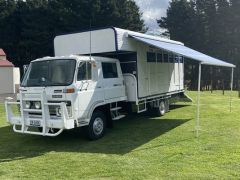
[(97, 126), (161, 110)]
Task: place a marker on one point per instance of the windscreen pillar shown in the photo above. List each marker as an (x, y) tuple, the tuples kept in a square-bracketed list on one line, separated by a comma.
[(198, 99), (231, 90)]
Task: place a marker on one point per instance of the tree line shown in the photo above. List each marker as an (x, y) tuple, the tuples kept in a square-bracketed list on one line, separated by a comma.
[(27, 28), (211, 27)]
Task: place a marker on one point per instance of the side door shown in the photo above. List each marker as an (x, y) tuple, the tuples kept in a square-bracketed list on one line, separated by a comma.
[(112, 80), (89, 91)]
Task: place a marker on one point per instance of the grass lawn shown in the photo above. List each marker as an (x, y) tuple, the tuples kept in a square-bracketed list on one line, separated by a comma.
[(138, 147)]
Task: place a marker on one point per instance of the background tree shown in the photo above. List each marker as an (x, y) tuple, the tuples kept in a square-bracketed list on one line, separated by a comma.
[(209, 26), (27, 28)]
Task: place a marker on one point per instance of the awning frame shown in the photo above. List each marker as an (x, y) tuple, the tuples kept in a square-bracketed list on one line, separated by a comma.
[(197, 127), (182, 50), (200, 57)]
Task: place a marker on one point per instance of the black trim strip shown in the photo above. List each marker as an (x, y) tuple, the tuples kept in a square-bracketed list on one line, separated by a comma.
[(166, 93), (176, 42), (116, 40)]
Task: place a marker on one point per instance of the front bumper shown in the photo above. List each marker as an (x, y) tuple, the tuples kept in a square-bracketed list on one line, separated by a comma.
[(44, 121)]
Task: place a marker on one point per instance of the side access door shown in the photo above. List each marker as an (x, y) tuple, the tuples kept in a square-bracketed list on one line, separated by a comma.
[(113, 81)]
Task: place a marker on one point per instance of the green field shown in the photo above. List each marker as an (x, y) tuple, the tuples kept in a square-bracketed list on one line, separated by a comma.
[(138, 147)]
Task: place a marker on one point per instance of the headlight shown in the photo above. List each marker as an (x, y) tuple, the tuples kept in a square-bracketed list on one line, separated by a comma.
[(28, 104), (37, 105)]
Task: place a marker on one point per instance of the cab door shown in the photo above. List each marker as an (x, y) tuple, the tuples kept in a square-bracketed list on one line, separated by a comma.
[(112, 80)]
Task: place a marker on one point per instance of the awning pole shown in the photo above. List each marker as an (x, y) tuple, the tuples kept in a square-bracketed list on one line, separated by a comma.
[(231, 90), (179, 76), (198, 101)]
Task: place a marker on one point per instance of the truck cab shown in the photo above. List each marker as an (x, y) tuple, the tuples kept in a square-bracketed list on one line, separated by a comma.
[(65, 92)]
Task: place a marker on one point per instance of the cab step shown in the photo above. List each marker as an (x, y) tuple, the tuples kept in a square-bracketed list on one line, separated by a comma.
[(118, 117), (115, 108)]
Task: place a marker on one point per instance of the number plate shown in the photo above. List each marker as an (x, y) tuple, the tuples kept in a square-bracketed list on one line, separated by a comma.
[(35, 123)]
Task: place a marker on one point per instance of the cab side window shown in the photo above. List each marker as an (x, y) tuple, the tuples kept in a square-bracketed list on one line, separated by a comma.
[(84, 71), (109, 70)]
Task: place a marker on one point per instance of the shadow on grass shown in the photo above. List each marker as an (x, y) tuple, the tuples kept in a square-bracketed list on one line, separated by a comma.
[(127, 135), (176, 106)]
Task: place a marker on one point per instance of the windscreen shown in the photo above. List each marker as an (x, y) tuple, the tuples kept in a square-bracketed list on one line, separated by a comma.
[(59, 72)]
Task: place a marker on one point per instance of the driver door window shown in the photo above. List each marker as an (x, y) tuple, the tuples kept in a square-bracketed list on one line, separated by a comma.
[(84, 71)]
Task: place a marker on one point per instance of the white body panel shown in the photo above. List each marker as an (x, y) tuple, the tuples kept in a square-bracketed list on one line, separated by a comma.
[(9, 79), (16, 76), (80, 43), (131, 87)]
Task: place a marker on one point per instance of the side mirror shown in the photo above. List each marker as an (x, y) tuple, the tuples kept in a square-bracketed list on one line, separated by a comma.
[(25, 68)]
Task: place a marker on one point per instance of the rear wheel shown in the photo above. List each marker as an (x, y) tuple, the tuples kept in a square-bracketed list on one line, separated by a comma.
[(161, 110), (97, 126)]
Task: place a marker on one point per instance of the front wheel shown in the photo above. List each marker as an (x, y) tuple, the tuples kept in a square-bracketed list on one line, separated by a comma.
[(97, 126)]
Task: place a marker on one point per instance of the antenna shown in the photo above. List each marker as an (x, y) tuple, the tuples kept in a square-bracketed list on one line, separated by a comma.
[(90, 44), (90, 49)]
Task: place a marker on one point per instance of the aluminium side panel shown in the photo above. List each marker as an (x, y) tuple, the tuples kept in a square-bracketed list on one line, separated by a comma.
[(157, 78), (153, 78), (142, 71)]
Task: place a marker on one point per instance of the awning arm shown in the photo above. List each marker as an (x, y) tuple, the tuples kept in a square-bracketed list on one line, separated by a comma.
[(198, 100)]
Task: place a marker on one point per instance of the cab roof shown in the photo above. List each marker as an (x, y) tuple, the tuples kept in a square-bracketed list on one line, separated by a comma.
[(77, 57)]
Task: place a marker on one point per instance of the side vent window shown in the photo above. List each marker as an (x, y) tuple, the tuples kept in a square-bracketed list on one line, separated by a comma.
[(109, 70), (170, 56), (165, 57), (159, 57), (151, 57)]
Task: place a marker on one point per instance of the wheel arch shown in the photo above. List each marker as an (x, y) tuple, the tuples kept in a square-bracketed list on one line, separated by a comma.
[(105, 108)]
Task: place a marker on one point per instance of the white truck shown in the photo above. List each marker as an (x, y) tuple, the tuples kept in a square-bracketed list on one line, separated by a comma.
[(97, 85)]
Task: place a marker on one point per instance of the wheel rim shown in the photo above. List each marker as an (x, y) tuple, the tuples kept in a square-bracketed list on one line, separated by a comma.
[(98, 126), (162, 108)]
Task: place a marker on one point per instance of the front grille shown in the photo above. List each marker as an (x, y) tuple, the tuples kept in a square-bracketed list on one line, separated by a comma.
[(52, 109)]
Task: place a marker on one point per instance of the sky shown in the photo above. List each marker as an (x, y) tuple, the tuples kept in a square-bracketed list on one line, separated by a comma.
[(152, 10)]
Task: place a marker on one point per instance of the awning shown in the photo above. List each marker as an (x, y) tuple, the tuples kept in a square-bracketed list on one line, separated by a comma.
[(184, 51)]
